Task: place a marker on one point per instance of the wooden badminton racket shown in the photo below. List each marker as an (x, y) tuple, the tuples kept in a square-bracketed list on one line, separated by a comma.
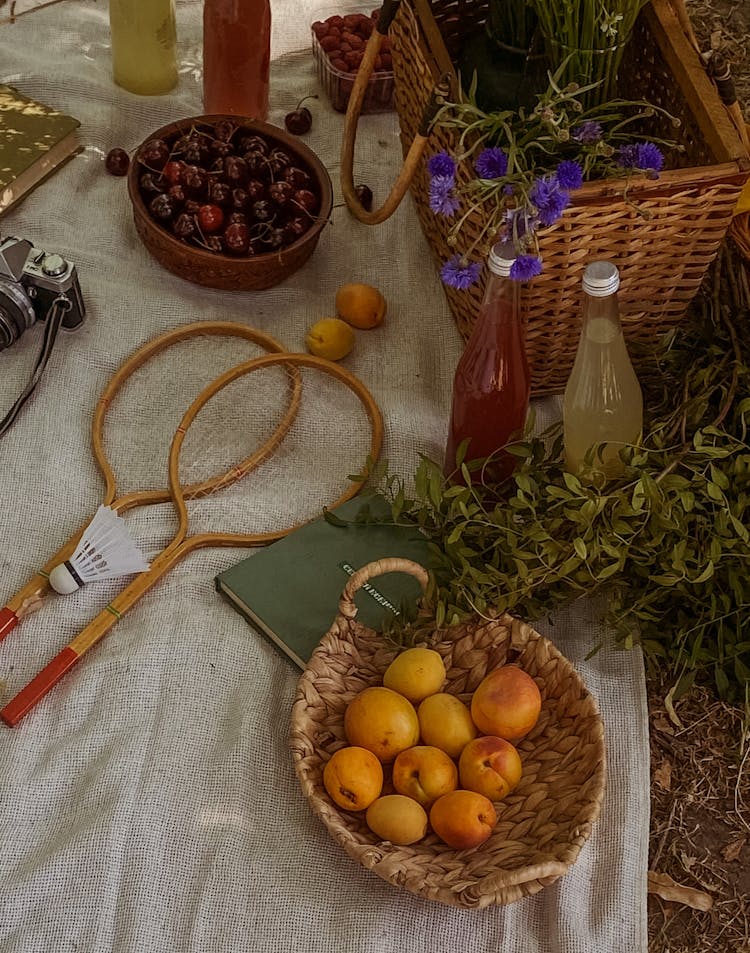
[(182, 543)]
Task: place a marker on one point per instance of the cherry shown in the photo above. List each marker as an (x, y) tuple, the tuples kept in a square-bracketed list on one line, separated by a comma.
[(237, 217), (295, 228), (210, 218), (117, 162), (224, 130), (150, 185), (173, 171), (299, 120), (219, 193), (197, 150), (256, 161), (296, 177), (214, 243), (262, 210), (364, 194), (154, 154), (254, 144), (177, 195), (235, 170), (279, 160), (195, 181), (162, 207), (221, 148), (240, 199), (237, 238), (274, 238), (184, 226), (280, 193), (306, 200), (256, 189)]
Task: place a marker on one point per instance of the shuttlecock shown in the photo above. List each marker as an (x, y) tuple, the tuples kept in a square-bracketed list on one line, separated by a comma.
[(104, 551)]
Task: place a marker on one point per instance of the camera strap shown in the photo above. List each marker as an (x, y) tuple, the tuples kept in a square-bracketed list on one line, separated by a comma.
[(52, 325)]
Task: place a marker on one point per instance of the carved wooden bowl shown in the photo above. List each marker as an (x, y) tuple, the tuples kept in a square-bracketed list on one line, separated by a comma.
[(220, 269)]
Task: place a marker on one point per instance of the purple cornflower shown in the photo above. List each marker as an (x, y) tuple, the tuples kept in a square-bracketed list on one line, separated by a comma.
[(442, 198), (549, 199), (526, 267), (443, 165), (650, 157), (518, 222), (588, 132), (640, 155), (459, 273), (491, 163), (569, 174)]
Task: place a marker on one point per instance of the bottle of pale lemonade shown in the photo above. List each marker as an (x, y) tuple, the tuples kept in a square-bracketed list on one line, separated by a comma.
[(144, 42), (603, 399)]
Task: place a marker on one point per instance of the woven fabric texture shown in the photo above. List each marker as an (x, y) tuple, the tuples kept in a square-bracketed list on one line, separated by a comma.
[(149, 803)]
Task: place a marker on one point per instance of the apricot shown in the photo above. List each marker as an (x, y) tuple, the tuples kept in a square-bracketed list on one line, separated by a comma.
[(463, 819), (506, 703), (382, 721), (331, 338), (424, 773), (397, 818), (360, 305), (446, 723), (353, 778), (491, 766), (415, 673)]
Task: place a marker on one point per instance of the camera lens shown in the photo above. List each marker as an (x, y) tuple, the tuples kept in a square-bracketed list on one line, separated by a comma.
[(16, 313)]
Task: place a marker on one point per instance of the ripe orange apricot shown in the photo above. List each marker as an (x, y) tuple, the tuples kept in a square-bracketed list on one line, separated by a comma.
[(506, 703), (490, 766), (463, 819), (360, 305), (446, 723), (424, 773), (353, 778), (382, 721)]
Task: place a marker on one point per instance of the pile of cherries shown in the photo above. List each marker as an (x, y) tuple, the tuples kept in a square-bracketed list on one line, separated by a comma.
[(227, 189), (343, 39)]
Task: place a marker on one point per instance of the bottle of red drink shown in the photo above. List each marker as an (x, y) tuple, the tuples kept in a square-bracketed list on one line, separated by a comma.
[(236, 57), (492, 384)]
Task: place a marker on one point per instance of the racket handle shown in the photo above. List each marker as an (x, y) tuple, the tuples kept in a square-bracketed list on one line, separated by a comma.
[(38, 687), (8, 621)]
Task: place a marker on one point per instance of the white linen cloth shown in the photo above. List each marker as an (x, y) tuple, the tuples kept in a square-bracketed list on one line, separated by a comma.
[(149, 803)]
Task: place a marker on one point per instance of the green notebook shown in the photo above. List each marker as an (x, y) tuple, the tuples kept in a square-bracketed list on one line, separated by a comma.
[(34, 141), (290, 590)]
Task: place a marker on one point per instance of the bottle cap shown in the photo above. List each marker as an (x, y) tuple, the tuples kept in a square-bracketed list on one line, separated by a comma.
[(601, 278), (502, 256)]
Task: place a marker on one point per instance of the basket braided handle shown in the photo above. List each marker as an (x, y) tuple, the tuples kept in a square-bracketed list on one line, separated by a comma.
[(347, 607), (354, 108)]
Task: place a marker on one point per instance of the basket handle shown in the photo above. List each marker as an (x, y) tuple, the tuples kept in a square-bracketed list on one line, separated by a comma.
[(387, 13), (378, 567)]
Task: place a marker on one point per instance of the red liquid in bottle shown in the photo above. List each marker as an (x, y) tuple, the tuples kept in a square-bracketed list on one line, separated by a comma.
[(236, 57), (491, 386)]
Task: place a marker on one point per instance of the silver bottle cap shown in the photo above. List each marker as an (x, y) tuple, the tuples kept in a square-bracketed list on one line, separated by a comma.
[(502, 256), (601, 278)]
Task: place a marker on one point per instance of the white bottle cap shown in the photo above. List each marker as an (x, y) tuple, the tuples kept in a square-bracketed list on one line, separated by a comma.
[(502, 256), (601, 278)]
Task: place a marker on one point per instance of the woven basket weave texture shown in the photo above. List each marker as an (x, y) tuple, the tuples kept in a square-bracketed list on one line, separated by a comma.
[(662, 235), (541, 826)]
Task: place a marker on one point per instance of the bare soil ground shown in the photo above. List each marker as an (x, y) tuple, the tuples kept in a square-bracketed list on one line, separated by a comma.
[(700, 751)]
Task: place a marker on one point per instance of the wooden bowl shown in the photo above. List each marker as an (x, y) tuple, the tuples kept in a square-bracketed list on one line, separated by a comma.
[(219, 270), (543, 822)]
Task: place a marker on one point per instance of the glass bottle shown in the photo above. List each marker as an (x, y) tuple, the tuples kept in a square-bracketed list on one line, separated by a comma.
[(491, 386), (603, 399), (144, 44), (236, 57)]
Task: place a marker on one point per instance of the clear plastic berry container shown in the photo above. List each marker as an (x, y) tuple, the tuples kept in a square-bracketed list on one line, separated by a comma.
[(337, 59)]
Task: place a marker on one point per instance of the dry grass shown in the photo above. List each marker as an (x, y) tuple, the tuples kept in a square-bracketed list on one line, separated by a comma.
[(700, 822)]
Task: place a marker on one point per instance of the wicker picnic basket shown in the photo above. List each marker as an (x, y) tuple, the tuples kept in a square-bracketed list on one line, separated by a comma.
[(662, 235), (542, 824)]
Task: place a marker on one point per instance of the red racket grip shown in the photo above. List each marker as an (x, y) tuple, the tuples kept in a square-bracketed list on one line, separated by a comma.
[(38, 687), (8, 621)]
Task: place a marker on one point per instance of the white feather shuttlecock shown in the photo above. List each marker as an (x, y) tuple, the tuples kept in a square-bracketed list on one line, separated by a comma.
[(105, 550)]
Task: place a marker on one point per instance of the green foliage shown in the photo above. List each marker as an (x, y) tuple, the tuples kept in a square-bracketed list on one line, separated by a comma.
[(668, 541)]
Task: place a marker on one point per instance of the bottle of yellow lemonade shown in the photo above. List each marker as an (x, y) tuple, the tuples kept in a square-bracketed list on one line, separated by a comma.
[(144, 42), (603, 399)]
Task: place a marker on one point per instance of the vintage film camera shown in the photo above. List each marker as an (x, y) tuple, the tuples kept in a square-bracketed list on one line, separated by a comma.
[(35, 286)]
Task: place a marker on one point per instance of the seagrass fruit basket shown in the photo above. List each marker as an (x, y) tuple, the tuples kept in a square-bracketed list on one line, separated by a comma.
[(662, 234), (542, 824)]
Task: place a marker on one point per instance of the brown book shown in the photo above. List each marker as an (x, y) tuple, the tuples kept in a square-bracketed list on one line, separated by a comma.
[(34, 141)]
